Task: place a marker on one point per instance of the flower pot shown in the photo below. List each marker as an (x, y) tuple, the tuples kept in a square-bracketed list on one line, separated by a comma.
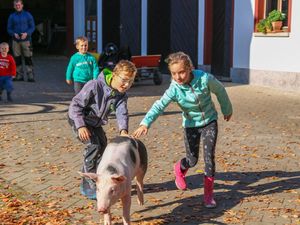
[(277, 26), (268, 30)]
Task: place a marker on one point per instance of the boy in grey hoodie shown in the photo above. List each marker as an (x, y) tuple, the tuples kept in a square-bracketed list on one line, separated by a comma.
[(89, 111)]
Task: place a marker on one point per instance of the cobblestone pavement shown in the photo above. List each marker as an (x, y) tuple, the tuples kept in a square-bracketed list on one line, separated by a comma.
[(257, 155)]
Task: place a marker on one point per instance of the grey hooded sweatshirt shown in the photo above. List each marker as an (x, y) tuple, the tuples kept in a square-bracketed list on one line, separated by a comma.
[(92, 105)]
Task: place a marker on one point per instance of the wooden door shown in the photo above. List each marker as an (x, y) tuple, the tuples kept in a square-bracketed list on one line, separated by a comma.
[(184, 28), (222, 38), (130, 25), (159, 36), (111, 22)]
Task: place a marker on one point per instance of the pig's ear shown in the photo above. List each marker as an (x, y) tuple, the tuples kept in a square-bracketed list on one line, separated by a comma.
[(118, 179), (93, 176)]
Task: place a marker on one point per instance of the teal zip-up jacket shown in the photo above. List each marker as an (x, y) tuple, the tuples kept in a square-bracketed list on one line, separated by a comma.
[(194, 99), (82, 68)]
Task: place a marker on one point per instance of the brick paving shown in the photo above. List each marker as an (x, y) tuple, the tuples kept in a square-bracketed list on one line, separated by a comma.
[(257, 155)]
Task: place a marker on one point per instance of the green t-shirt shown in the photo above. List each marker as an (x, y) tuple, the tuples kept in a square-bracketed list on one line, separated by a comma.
[(82, 68)]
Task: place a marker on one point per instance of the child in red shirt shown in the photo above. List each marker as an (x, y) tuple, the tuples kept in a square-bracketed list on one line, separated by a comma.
[(7, 71)]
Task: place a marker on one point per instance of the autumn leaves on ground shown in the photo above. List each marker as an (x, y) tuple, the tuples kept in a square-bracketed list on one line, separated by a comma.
[(257, 159), (19, 208)]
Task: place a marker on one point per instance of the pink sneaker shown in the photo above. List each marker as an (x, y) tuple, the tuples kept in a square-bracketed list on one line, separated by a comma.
[(180, 176), (209, 201)]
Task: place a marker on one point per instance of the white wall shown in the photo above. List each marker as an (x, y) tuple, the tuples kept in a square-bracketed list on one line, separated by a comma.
[(264, 53), (79, 18)]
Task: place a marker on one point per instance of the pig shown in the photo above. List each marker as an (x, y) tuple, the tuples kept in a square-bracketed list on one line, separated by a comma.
[(123, 159)]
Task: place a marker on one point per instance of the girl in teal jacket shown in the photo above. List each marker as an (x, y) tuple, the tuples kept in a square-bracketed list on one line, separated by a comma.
[(191, 90)]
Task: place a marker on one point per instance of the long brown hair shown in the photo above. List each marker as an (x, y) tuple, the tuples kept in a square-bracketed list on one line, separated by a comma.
[(180, 57)]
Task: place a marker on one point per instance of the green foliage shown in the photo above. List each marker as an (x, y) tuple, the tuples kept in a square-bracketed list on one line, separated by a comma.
[(264, 25), (276, 15)]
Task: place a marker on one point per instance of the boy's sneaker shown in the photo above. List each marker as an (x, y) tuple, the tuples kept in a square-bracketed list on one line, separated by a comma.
[(179, 176), (88, 188), (88, 193)]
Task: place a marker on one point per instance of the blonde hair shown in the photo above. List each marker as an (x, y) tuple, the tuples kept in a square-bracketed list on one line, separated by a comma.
[(125, 66), (4, 44), (177, 57), (80, 39)]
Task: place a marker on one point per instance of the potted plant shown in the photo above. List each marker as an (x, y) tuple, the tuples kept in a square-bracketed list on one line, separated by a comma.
[(264, 26), (276, 17)]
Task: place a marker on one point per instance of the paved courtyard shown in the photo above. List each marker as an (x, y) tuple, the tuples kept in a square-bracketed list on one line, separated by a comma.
[(257, 155)]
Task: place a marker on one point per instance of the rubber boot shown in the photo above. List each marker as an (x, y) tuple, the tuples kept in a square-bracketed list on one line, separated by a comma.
[(209, 201), (180, 176)]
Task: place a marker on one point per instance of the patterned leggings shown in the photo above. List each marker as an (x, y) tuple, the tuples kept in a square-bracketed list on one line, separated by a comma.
[(208, 135)]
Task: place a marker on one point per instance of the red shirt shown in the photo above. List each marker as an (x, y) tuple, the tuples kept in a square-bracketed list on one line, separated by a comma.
[(7, 66)]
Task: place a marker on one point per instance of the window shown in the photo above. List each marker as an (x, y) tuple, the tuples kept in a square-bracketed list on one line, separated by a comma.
[(264, 7), (91, 23)]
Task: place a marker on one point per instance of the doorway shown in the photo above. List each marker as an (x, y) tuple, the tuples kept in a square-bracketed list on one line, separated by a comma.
[(184, 28), (159, 34), (219, 37), (50, 33), (130, 26), (111, 22)]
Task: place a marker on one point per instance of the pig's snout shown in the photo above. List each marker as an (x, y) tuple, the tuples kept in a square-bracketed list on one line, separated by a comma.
[(102, 209)]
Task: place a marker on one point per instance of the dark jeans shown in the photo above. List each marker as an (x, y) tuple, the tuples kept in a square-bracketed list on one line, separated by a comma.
[(92, 154), (77, 87), (208, 135), (6, 83)]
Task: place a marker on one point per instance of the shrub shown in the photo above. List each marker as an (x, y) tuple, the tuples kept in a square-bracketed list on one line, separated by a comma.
[(276, 15), (264, 25)]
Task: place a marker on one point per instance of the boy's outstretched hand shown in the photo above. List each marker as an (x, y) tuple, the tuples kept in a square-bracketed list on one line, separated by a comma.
[(142, 130), (84, 134), (124, 133)]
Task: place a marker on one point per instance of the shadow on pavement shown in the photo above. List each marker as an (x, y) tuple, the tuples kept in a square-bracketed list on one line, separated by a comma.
[(247, 185), (42, 108)]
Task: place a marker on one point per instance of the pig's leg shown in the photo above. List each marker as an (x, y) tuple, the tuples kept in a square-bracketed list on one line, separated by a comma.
[(107, 218), (139, 188), (126, 202)]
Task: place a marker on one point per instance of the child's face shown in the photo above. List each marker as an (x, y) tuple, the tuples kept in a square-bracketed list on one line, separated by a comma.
[(4, 49), (82, 47), (122, 81), (180, 73)]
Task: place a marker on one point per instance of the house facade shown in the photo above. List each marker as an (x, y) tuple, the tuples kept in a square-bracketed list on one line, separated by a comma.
[(219, 35), (266, 59)]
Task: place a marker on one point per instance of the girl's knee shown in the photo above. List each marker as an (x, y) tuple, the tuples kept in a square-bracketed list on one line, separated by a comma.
[(192, 162)]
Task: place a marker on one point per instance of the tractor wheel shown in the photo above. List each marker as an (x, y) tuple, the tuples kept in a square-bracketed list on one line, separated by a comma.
[(157, 77)]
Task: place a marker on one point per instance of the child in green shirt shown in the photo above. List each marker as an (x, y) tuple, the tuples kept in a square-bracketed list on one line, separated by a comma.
[(82, 66)]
